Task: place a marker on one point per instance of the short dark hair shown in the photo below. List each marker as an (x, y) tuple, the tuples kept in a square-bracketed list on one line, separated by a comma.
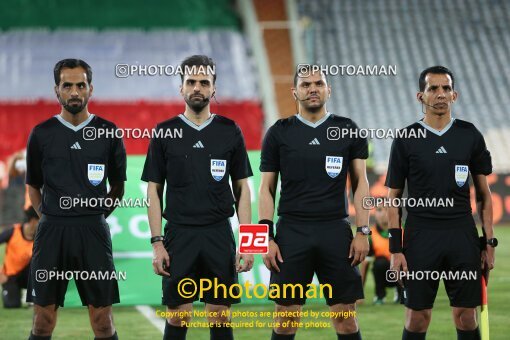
[(435, 70), (198, 60), (307, 69), (71, 63)]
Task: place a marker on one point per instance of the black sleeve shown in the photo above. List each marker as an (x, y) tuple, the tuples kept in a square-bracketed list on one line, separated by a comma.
[(270, 154), (34, 175), (6, 235), (481, 161), (117, 161), (398, 167), (359, 146), (240, 165), (154, 169)]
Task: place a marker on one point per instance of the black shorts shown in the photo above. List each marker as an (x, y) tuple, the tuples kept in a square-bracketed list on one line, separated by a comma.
[(11, 289), (449, 250), (64, 245), (321, 248), (200, 252)]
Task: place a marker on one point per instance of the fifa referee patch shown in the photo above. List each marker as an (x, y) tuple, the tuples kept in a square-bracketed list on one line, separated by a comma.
[(218, 168), (333, 165), (95, 173), (461, 174)]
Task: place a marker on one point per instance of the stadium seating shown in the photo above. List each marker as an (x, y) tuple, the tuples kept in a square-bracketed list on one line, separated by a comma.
[(27, 58), (106, 35), (471, 37)]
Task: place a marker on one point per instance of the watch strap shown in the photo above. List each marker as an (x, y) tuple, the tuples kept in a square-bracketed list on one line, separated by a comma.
[(156, 239)]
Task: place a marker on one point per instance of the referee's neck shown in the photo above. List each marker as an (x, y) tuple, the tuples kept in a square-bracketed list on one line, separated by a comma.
[(437, 122), (76, 119), (313, 117), (197, 117)]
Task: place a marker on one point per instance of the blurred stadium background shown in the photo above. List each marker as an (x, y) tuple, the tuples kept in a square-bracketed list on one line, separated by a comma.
[(256, 45)]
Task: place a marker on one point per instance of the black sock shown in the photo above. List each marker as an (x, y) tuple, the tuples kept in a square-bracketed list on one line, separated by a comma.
[(113, 337), (407, 335), (174, 332), (468, 335), (276, 336), (221, 333), (352, 336), (38, 337)]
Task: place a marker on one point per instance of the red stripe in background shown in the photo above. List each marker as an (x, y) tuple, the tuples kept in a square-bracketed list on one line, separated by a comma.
[(18, 119)]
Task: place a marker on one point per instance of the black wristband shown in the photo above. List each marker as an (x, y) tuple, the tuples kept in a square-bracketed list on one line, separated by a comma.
[(395, 237), (156, 239), (271, 225)]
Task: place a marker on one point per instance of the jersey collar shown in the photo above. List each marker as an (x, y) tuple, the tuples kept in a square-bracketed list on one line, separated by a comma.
[(195, 126), (71, 126), (317, 123), (437, 132)]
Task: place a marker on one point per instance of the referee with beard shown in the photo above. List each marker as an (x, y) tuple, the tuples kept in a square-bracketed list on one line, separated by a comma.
[(198, 242), (63, 166), (313, 234), (442, 239)]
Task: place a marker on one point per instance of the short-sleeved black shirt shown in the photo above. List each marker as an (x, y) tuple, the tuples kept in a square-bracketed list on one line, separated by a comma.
[(65, 164), (313, 167), (197, 167), (438, 166)]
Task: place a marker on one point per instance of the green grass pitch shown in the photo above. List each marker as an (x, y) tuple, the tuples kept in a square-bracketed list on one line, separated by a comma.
[(376, 322)]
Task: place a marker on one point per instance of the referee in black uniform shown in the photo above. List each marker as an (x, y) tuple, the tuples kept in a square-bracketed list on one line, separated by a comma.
[(198, 240), (313, 234), (63, 166), (442, 239)]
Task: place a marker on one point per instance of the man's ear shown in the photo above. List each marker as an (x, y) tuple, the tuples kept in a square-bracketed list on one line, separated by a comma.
[(56, 91), (455, 96), (293, 91), (91, 90), (419, 96)]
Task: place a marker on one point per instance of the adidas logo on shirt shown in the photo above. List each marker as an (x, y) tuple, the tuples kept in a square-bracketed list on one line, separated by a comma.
[(76, 146), (198, 145), (441, 150), (315, 141)]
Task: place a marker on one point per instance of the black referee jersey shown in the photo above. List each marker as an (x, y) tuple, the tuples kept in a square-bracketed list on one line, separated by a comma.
[(65, 164), (437, 167), (313, 160), (196, 169)]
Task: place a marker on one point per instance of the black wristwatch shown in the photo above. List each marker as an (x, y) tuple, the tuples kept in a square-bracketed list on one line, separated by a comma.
[(493, 242), (156, 239), (365, 230)]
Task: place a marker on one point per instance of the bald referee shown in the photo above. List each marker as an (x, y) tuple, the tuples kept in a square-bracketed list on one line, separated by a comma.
[(313, 234), (444, 238), (63, 166), (198, 242)]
